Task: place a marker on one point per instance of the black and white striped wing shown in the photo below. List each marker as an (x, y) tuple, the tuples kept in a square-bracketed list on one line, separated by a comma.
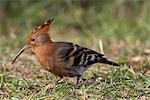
[(80, 56)]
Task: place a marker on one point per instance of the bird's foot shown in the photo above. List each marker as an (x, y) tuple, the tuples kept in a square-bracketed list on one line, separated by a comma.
[(60, 80)]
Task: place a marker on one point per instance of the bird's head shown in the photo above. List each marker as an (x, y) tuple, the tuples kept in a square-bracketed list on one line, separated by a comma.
[(37, 38)]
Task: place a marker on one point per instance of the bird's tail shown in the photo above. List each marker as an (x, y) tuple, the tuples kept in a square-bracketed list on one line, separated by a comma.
[(111, 63), (106, 61)]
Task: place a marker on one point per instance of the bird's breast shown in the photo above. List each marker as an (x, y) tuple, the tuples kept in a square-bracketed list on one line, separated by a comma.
[(45, 57)]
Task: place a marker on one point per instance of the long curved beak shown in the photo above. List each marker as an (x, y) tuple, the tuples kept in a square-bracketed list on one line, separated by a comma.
[(21, 51)]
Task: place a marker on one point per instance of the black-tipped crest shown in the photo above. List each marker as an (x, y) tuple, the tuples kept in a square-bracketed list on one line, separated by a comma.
[(50, 20), (44, 27)]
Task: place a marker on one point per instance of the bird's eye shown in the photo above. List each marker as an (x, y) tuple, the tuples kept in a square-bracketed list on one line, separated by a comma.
[(33, 39)]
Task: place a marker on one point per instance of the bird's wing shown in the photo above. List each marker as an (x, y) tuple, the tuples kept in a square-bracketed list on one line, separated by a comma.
[(75, 55)]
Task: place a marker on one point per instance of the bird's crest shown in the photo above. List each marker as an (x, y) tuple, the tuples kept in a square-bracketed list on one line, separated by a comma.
[(44, 27)]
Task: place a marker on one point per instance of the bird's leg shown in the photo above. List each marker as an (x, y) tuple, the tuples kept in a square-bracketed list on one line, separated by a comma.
[(58, 81), (78, 78)]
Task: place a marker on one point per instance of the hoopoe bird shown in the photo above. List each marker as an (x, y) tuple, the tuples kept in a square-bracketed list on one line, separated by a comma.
[(61, 58)]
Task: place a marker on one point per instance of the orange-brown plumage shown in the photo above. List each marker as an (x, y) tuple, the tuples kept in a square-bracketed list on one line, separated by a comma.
[(61, 58)]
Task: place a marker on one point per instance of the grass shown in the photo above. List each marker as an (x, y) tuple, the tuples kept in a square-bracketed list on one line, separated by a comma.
[(28, 83)]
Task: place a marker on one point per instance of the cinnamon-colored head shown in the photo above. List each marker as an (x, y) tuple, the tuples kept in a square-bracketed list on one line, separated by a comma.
[(37, 38)]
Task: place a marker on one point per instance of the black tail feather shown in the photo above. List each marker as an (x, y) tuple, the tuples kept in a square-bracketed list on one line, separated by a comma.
[(106, 61), (111, 63)]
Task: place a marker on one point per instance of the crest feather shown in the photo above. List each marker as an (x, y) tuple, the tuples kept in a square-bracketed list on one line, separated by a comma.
[(43, 28)]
